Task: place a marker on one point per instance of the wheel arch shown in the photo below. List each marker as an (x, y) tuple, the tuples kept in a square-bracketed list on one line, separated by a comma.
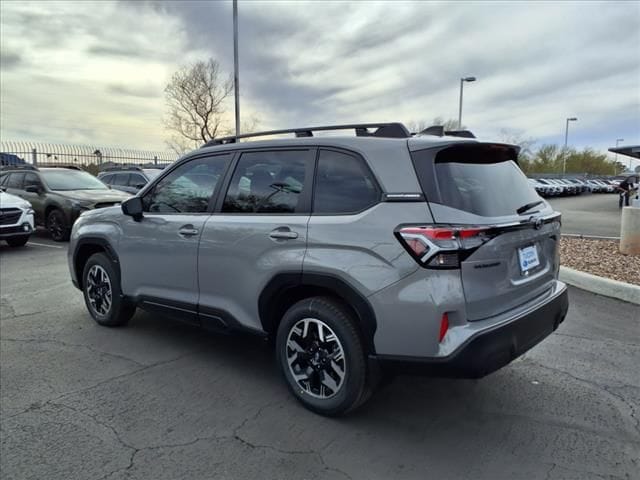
[(88, 246), (285, 289)]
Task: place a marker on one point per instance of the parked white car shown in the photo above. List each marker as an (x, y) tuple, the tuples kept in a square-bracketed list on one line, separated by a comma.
[(16, 219)]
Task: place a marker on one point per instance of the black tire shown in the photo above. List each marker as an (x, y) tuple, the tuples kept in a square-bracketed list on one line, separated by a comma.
[(354, 389), (57, 226), (119, 311), (18, 241)]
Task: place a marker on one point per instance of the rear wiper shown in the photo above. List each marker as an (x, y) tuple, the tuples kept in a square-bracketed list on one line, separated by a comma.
[(528, 206)]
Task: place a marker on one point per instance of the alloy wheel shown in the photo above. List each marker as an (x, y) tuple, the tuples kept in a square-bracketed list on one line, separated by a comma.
[(316, 358), (56, 228), (99, 290)]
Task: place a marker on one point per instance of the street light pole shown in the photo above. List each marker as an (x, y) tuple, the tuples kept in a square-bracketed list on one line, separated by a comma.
[(618, 140), (236, 74), (462, 80), (566, 137)]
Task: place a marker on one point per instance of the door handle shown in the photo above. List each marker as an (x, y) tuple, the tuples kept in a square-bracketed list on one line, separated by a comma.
[(188, 231), (283, 233)]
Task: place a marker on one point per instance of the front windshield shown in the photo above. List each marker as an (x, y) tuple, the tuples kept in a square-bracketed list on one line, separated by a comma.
[(65, 179)]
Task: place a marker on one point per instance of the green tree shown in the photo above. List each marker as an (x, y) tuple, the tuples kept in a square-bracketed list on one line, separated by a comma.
[(551, 158)]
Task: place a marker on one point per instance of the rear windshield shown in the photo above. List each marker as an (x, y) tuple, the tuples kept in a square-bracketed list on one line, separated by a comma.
[(479, 179)]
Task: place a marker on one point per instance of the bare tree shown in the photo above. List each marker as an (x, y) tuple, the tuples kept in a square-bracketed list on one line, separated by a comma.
[(516, 137), (195, 98)]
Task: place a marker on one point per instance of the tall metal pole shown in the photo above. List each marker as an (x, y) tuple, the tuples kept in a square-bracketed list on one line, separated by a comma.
[(618, 140), (236, 75), (460, 107), (566, 136), (564, 151)]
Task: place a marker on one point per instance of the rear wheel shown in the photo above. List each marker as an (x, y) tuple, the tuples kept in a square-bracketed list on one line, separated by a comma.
[(322, 358), (102, 294), (18, 241), (56, 225)]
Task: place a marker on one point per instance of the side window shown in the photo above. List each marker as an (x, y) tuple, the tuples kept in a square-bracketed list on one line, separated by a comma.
[(121, 179), (136, 179), (31, 179), (343, 184), (268, 182), (15, 180), (106, 179), (188, 188), (3, 179)]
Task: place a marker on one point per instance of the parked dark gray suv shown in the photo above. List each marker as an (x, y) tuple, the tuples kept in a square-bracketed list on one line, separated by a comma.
[(128, 179), (359, 255)]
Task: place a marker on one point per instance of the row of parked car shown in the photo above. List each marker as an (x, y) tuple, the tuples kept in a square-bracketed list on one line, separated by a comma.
[(54, 197), (552, 187)]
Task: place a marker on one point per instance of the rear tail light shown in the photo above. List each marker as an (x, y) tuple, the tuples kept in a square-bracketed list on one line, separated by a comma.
[(441, 246)]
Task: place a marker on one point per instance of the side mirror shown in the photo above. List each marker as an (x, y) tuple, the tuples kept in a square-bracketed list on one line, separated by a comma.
[(139, 186), (33, 189), (133, 207)]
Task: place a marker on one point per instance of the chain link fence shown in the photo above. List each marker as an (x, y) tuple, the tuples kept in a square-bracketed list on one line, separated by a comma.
[(90, 158)]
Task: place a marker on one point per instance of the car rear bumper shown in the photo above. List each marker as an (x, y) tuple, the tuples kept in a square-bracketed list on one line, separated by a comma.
[(488, 350)]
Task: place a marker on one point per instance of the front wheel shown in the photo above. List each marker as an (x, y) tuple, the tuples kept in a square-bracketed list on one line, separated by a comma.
[(102, 294), (56, 225), (321, 355)]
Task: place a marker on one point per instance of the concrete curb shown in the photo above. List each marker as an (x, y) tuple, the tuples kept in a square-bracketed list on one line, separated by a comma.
[(602, 286), (589, 237)]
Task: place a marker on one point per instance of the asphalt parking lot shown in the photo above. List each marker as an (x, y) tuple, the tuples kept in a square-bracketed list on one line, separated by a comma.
[(589, 214), (163, 400)]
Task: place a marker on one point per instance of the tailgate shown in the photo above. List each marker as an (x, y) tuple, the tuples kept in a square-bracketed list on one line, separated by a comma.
[(514, 256), (512, 268)]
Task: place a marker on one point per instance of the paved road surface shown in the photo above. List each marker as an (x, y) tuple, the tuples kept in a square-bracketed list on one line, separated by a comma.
[(589, 214), (161, 400)]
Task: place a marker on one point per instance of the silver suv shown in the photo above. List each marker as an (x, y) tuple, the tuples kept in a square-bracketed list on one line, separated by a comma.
[(360, 255)]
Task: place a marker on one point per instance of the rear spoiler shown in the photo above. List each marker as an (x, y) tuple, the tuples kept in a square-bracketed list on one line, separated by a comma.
[(439, 131)]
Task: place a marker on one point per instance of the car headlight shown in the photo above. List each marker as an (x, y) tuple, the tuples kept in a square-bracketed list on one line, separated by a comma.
[(80, 205), (30, 211)]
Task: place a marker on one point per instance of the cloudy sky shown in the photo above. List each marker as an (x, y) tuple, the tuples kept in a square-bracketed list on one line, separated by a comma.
[(94, 72)]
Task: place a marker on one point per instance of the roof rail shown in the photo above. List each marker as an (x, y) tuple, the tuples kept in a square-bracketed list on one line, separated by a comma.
[(439, 131), (24, 166), (387, 130), (68, 167), (112, 169)]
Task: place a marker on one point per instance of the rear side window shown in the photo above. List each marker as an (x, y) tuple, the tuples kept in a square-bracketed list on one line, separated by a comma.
[(269, 182), (15, 180), (343, 184)]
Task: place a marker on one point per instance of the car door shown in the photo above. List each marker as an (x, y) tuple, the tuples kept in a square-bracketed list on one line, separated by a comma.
[(259, 229), (158, 254), (36, 199)]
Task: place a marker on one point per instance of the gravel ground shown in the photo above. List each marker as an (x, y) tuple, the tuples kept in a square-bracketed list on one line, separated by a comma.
[(600, 257)]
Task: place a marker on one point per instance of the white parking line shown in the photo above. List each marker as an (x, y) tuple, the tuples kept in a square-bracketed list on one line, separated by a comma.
[(44, 245)]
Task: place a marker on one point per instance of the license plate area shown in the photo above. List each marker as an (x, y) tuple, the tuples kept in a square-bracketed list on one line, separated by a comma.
[(528, 258)]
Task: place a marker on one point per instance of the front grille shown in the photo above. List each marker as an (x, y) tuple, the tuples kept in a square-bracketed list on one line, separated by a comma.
[(105, 204), (9, 216)]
